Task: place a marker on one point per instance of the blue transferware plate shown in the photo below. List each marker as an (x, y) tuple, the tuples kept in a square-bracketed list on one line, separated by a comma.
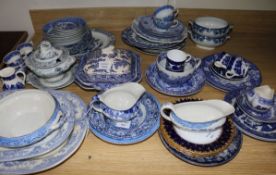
[(97, 72), (49, 143), (128, 135), (252, 79), (146, 24), (247, 124), (132, 39), (192, 86), (158, 39), (209, 161), (27, 166)]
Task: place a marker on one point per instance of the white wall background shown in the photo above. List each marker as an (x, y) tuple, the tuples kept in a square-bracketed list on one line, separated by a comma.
[(14, 14)]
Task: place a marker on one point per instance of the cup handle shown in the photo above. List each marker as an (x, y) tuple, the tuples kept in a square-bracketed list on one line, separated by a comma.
[(61, 120), (190, 23), (175, 12), (230, 74), (174, 23), (164, 107), (23, 74), (93, 105)]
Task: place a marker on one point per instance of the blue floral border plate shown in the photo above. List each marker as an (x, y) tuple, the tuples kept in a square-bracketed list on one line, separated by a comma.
[(249, 126), (252, 79), (108, 133), (192, 86), (63, 152)]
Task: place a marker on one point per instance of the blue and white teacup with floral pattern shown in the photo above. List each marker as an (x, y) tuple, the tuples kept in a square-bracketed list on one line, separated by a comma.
[(15, 60), (164, 17)]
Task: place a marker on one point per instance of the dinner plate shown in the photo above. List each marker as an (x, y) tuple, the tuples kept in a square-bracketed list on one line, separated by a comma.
[(252, 79), (192, 86), (149, 107), (63, 152)]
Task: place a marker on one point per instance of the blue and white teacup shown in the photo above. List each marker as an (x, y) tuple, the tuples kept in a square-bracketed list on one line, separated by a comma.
[(164, 17), (176, 59), (231, 67), (15, 60), (261, 98), (25, 49)]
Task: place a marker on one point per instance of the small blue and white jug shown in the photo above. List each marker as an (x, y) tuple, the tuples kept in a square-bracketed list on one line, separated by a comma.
[(12, 79)]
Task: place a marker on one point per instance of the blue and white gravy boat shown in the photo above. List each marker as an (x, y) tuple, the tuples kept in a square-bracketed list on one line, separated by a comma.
[(119, 103), (198, 115)]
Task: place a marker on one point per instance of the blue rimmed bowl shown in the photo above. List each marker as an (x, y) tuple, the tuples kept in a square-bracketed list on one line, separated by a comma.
[(28, 116)]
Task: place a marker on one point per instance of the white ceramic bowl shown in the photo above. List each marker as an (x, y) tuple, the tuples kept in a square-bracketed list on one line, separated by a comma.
[(27, 116)]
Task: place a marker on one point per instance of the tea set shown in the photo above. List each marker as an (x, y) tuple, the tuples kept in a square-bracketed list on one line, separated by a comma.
[(209, 32), (52, 124), (158, 32)]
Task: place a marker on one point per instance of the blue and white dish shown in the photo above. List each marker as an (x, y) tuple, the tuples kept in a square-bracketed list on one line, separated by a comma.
[(102, 71), (49, 143), (157, 39), (192, 86), (128, 135), (63, 152), (252, 79), (219, 159), (147, 25), (206, 42), (210, 26), (247, 124)]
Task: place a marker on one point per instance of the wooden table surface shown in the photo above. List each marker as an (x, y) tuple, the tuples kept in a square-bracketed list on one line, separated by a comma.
[(253, 37)]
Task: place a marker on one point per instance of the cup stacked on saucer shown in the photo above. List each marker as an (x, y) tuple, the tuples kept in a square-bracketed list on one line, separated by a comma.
[(50, 67), (202, 137), (176, 73), (124, 114), (255, 112), (209, 32), (39, 129), (158, 32), (71, 33)]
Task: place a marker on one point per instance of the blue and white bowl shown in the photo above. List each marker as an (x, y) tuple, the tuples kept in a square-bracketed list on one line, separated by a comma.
[(28, 116), (210, 26), (206, 42)]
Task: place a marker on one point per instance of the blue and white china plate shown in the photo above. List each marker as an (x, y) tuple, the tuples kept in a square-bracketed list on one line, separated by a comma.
[(252, 79), (146, 24), (63, 152), (247, 124), (104, 73), (216, 160), (192, 86), (49, 143), (33, 80), (118, 135), (158, 39), (131, 38)]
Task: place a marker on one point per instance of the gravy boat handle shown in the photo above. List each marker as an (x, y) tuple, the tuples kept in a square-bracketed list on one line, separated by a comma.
[(166, 106)]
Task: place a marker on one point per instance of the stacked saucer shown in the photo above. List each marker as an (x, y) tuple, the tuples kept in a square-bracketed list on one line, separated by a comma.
[(255, 112), (49, 128), (50, 67), (124, 114), (209, 32), (108, 67), (74, 34), (200, 137), (176, 73), (158, 32), (228, 72)]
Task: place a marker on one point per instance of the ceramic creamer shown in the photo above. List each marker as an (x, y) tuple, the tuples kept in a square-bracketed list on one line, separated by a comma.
[(12, 79)]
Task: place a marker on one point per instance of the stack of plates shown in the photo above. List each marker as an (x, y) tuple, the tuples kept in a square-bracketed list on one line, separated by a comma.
[(218, 152), (147, 37), (54, 148), (261, 126), (74, 34)]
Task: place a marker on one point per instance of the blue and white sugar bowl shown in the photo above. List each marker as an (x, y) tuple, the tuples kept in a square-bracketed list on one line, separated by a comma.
[(28, 116), (176, 66), (119, 103), (203, 120)]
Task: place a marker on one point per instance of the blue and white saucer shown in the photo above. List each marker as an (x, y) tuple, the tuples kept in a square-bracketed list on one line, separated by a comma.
[(252, 79), (192, 86), (49, 143), (146, 24), (105, 131), (247, 124), (27, 166), (94, 72)]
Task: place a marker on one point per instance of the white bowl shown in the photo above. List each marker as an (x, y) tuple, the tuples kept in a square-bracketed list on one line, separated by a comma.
[(28, 116)]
